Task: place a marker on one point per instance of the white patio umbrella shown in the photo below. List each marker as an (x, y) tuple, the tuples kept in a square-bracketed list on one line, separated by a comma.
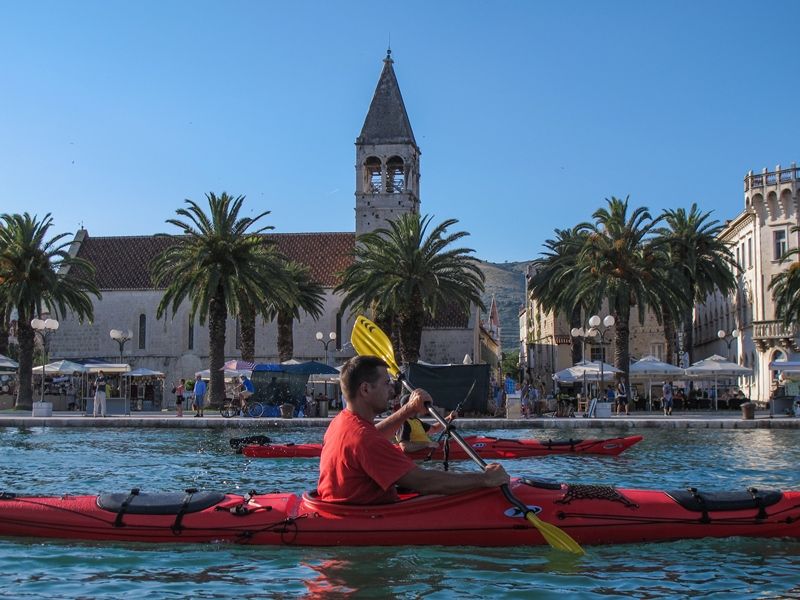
[(586, 371), (649, 367), (714, 367), (6, 364)]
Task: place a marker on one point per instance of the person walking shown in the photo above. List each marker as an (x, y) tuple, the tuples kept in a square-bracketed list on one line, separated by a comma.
[(199, 393), (622, 395), (666, 390), (99, 395), (179, 390)]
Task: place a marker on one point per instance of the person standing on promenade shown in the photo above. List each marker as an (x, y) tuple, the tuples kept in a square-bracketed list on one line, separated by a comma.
[(359, 463), (99, 395), (666, 390), (622, 395), (179, 390), (199, 393)]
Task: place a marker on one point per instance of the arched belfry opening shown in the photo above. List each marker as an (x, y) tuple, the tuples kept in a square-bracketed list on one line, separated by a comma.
[(373, 175), (395, 175), (387, 158)]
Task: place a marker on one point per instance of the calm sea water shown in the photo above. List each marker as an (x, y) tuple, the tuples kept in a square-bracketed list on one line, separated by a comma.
[(56, 461)]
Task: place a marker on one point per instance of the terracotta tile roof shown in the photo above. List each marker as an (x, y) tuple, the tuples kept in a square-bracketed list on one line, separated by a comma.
[(122, 263)]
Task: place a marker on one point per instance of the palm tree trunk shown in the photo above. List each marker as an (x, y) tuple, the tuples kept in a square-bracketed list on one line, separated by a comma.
[(577, 345), (217, 315), (669, 332), (247, 321), (410, 332), (5, 314), (285, 336), (622, 357), (25, 337)]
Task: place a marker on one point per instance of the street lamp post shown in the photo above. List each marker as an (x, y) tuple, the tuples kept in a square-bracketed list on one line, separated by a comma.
[(608, 323), (321, 338), (121, 337), (44, 327), (728, 338), (591, 331)]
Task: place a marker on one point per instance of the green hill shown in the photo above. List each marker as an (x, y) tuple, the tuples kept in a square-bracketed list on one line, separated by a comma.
[(507, 282)]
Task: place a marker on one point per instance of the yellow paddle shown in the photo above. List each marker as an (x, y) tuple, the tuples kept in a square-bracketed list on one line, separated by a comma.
[(367, 338)]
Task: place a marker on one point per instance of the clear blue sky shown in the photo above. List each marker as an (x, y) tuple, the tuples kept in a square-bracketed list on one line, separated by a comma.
[(528, 114)]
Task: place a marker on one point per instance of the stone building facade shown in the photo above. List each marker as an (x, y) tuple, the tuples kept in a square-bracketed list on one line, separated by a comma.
[(752, 336), (759, 237), (387, 185)]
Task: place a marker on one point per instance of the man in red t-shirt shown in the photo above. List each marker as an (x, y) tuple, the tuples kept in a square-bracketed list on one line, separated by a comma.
[(360, 464)]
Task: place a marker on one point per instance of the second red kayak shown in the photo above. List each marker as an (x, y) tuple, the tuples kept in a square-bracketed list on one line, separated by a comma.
[(486, 447)]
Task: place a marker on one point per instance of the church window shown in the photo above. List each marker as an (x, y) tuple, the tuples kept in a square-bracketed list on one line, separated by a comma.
[(395, 175), (749, 253), (191, 335), (238, 334), (142, 332), (338, 331), (372, 168)]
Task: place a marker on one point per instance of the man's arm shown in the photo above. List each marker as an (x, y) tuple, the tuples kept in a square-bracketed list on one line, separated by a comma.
[(415, 406), (427, 481)]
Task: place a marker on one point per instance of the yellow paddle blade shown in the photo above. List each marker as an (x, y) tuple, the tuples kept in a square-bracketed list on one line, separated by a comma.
[(367, 338), (557, 538)]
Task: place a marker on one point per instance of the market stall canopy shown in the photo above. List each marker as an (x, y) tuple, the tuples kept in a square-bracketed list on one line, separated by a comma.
[(107, 367), (311, 367), (787, 366), (648, 367), (229, 374), (716, 366), (238, 365), (142, 372), (588, 370), (6, 364), (60, 367)]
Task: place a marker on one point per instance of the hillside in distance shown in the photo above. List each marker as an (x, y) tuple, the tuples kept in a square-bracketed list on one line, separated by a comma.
[(507, 282)]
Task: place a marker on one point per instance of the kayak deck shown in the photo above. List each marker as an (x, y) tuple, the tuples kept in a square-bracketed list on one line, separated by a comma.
[(590, 514)]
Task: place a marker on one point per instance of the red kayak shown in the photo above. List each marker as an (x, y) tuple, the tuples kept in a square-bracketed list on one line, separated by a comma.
[(591, 514), (486, 447)]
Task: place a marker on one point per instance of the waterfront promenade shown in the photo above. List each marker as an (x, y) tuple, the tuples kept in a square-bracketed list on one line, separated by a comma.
[(723, 419)]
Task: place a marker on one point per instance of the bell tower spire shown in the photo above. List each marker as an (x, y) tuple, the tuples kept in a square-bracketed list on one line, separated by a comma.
[(387, 157)]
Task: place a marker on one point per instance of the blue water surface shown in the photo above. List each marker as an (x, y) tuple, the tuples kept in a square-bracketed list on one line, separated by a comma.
[(86, 461)]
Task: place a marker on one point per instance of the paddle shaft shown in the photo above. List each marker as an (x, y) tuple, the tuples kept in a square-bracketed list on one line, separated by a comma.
[(457, 436)]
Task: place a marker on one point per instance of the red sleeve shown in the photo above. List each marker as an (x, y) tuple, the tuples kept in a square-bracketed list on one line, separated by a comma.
[(383, 462)]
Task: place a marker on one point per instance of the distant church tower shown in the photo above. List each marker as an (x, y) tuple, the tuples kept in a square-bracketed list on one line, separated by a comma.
[(387, 158)]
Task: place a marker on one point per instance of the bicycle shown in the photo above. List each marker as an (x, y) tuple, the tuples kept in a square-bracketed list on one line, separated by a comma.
[(233, 406)]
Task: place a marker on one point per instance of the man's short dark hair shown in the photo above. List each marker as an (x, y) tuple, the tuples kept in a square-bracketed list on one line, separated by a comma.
[(358, 370)]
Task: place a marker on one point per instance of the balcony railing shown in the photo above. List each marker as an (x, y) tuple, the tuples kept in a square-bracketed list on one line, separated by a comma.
[(771, 178), (767, 333)]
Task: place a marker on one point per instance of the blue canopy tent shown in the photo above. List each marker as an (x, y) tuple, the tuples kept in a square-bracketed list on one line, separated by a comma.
[(277, 383)]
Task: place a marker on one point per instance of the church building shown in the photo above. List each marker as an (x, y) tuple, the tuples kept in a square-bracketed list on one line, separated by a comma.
[(387, 185)]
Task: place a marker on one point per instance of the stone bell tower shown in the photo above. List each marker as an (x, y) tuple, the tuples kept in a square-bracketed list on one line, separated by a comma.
[(387, 158)]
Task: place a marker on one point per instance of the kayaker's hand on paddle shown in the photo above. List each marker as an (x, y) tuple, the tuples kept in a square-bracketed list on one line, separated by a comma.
[(418, 403), (495, 475)]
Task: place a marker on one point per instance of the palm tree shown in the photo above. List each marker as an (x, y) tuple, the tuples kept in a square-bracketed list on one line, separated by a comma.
[(214, 263), (554, 280), (402, 274), (40, 276), (700, 263), (282, 289), (622, 265), (785, 288), (308, 296)]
